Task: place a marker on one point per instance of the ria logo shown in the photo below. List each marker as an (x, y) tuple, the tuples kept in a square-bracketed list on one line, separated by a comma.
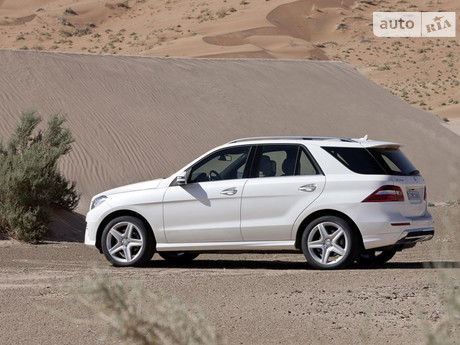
[(414, 24), (438, 25)]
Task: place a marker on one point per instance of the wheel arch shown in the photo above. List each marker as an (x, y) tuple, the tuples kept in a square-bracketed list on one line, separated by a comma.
[(114, 215), (322, 213)]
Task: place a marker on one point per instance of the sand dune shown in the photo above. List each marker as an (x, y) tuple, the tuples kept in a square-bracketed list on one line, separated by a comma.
[(137, 118), (422, 71)]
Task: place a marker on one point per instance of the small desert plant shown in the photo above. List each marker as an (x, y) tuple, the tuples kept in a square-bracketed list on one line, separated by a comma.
[(81, 31), (69, 10), (123, 4), (446, 331), (65, 33), (31, 182), (205, 15), (64, 21), (384, 67), (222, 12), (75, 32), (137, 316)]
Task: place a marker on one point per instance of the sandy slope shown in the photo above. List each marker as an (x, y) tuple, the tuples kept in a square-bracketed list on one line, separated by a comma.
[(423, 72), (136, 118)]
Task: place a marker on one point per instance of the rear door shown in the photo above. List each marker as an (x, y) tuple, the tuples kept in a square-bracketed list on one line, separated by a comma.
[(285, 180)]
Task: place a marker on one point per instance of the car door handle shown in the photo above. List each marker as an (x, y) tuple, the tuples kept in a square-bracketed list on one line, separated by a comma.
[(229, 191), (308, 188)]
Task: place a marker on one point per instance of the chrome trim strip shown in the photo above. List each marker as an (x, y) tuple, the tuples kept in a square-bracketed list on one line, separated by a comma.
[(293, 138), (418, 238), (211, 246)]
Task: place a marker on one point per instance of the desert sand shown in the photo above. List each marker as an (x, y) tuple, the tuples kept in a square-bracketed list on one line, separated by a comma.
[(136, 118), (421, 71), (141, 106), (249, 298)]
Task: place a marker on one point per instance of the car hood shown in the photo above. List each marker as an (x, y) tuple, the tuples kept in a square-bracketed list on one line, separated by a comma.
[(134, 187)]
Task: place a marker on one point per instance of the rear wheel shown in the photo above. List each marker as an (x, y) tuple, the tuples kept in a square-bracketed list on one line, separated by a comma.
[(375, 257), (127, 241), (178, 257), (329, 243)]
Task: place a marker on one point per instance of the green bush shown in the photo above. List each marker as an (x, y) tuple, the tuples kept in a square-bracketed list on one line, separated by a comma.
[(31, 183)]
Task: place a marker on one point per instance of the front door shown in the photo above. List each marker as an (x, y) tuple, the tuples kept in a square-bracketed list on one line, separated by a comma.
[(208, 207)]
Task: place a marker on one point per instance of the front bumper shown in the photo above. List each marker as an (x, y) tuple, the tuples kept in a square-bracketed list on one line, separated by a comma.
[(90, 233)]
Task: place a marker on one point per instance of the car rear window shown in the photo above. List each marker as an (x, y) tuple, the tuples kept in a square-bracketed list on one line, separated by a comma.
[(373, 161), (394, 161)]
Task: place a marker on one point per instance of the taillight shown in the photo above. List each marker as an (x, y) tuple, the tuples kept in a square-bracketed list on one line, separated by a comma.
[(385, 194)]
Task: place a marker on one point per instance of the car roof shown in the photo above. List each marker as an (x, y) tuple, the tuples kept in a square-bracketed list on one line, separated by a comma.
[(315, 140)]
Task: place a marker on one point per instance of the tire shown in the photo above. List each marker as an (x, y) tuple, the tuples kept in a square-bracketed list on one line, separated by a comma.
[(329, 243), (178, 257), (375, 257), (127, 241)]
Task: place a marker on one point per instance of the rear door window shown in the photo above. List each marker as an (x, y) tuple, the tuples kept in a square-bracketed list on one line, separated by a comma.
[(305, 166), (277, 160), (283, 160)]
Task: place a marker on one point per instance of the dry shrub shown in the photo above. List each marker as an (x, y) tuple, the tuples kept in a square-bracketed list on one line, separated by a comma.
[(447, 330), (138, 316), (31, 183)]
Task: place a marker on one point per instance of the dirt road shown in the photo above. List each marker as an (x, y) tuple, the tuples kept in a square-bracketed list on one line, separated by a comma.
[(250, 298)]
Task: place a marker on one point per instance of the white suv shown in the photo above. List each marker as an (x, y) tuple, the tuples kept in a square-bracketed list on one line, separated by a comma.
[(335, 199)]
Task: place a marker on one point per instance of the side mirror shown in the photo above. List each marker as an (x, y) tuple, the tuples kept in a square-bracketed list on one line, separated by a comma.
[(225, 158), (181, 179)]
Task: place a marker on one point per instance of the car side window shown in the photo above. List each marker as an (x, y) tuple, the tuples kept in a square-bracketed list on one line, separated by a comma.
[(277, 160), (226, 164), (305, 166), (283, 160)]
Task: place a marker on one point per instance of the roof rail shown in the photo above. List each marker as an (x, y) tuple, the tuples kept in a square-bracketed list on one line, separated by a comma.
[(294, 138)]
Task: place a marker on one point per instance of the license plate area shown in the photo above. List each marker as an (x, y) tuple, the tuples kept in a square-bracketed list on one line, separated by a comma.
[(415, 195)]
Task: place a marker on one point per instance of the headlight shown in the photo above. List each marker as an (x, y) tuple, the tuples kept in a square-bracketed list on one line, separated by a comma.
[(97, 201)]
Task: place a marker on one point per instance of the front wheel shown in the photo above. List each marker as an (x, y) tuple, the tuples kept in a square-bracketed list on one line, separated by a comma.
[(126, 241), (178, 257), (329, 243)]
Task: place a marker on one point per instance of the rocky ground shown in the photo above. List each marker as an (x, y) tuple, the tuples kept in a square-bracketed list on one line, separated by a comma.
[(250, 298)]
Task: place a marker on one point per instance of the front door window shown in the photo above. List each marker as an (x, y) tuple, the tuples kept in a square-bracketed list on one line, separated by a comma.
[(227, 164)]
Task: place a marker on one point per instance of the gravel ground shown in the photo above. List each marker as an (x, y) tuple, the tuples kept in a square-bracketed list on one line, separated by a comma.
[(249, 298)]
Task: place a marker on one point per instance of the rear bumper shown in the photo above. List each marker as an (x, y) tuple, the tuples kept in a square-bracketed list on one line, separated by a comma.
[(399, 231), (416, 235)]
